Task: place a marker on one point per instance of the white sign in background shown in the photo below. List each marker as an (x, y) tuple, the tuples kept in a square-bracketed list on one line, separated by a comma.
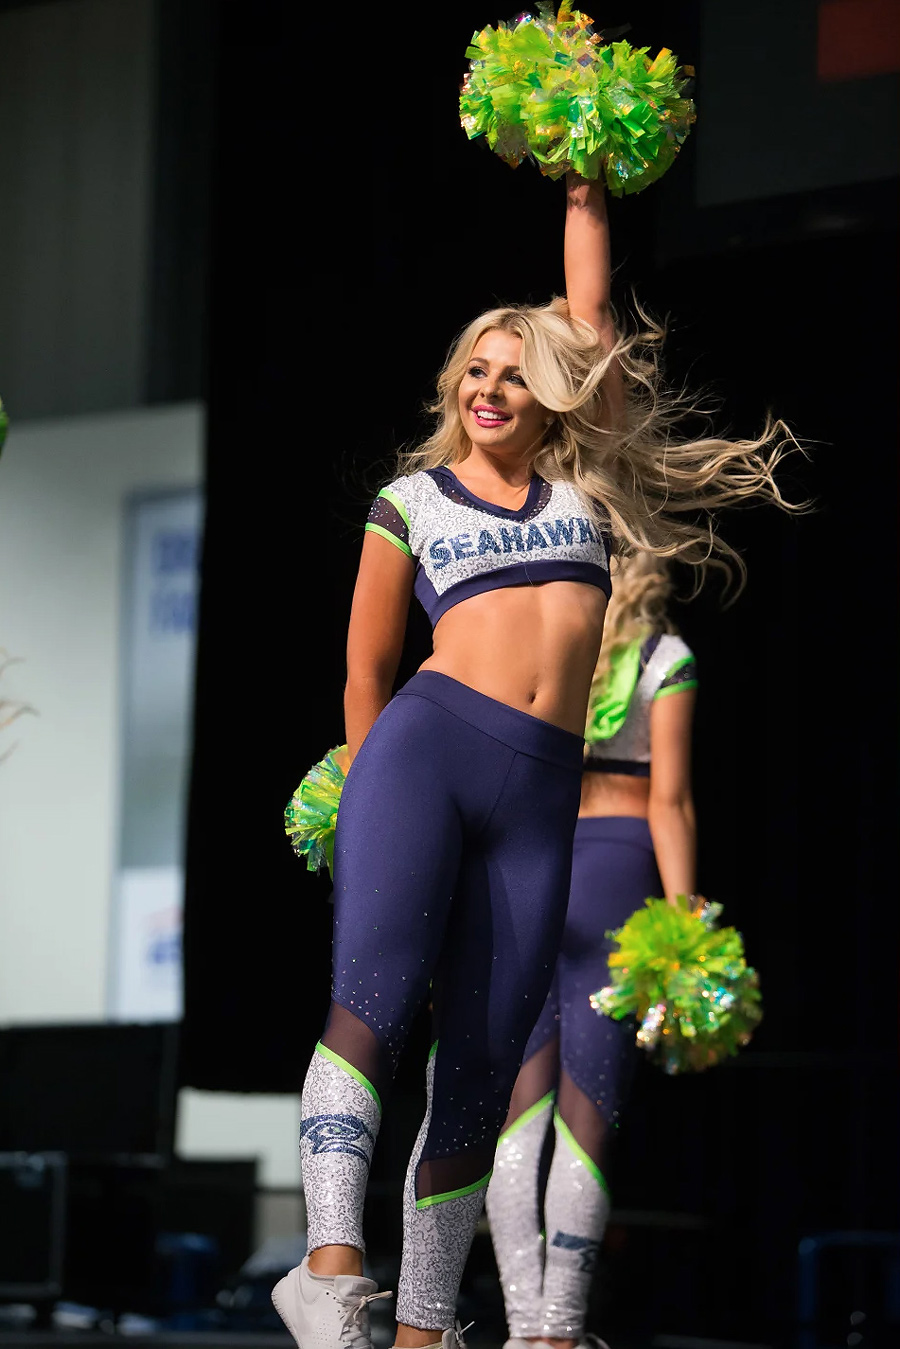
[(159, 619)]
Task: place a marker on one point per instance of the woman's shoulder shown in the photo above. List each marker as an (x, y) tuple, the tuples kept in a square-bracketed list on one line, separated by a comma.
[(672, 647), (407, 486), (673, 666), (564, 490), (565, 487)]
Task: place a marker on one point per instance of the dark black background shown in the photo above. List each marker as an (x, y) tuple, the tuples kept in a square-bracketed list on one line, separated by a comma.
[(354, 231)]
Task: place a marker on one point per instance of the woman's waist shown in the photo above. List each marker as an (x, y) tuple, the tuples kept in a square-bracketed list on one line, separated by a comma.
[(519, 728), (618, 829), (610, 794), (525, 650), (555, 697)]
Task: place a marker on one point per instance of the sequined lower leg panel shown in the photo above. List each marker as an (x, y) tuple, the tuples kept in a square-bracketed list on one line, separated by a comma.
[(576, 1207), (340, 1115), (513, 1212), (437, 1235)]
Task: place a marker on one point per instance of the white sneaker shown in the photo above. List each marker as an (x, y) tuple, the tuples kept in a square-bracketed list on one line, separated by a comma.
[(326, 1313)]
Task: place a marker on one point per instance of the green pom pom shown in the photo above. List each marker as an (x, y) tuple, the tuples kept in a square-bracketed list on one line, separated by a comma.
[(687, 982), (545, 87), (311, 814)]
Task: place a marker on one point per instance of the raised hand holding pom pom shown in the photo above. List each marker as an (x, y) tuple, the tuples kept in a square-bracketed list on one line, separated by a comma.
[(545, 87)]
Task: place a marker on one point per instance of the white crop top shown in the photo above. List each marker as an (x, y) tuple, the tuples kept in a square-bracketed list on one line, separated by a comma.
[(463, 546), (667, 666)]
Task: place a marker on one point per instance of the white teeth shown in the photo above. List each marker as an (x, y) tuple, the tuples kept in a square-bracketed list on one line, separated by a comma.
[(491, 416)]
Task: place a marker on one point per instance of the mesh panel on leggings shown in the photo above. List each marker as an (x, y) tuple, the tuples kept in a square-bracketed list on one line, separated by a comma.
[(537, 1077), (583, 1119), (346, 1035), (446, 1175)]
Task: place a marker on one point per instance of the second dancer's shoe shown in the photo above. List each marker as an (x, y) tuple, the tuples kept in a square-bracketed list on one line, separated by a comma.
[(325, 1313)]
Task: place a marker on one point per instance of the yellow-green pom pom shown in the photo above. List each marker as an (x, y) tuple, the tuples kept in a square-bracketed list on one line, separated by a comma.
[(686, 981), (311, 814), (545, 87)]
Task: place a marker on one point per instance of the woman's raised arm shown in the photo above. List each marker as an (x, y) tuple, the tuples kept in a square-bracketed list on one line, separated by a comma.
[(375, 636), (588, 267)]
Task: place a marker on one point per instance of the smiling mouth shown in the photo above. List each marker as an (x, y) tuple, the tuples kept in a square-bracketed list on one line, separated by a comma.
[(490, 417)]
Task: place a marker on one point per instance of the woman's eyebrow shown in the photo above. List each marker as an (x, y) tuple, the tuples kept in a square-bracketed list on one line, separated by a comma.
[(484, 361)]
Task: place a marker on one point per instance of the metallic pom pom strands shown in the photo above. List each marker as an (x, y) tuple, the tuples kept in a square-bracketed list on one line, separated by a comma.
[(687, 982), (311, 814), (545, 87)]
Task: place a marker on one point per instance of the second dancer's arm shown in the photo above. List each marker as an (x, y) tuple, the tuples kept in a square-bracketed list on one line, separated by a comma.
[(670, 809)]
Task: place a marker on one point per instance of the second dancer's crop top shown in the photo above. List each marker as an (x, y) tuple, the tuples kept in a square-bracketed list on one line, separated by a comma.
[(618, 729), (463, 546)]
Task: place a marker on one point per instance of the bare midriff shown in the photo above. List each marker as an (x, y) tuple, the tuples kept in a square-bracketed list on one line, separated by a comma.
[(613, 794), (531, 647)]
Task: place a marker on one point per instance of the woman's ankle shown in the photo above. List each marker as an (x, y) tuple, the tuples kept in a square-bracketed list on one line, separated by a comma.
[(410, 1338), (326, 1262)]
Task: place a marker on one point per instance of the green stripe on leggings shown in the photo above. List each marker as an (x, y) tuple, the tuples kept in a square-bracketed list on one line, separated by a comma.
[(348, 1068), (578, 1151), (431, 1199), (527, 1116)]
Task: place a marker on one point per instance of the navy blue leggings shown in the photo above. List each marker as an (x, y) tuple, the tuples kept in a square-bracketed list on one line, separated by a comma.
[(452, 864), (613, 872)]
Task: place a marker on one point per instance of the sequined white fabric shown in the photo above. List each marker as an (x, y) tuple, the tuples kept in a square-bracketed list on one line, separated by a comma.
[(576, 1209), (632, 742), (455, 539), (338, 1127), (436, 1242), (512, 1208)]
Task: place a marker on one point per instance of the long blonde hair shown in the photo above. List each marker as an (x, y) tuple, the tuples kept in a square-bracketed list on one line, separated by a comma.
[(659, 492), (642, 586)]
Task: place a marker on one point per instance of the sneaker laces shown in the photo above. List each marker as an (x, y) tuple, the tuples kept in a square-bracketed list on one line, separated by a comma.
[(353, 1322)]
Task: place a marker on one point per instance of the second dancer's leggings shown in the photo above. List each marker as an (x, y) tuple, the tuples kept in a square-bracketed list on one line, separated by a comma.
[(452, 864), (574, 1080)]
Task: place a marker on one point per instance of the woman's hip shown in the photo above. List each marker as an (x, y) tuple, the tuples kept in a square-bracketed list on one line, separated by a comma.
[(613, 871)]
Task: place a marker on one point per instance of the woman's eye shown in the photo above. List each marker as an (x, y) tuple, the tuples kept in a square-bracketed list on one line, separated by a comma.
[(476, 371), (517, 379)]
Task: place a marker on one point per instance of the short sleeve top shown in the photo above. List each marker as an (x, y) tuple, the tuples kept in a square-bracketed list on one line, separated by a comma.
[(463, 546), (667, 666)]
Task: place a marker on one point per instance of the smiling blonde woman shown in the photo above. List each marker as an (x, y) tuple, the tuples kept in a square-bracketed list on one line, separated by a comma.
[(453, 850)]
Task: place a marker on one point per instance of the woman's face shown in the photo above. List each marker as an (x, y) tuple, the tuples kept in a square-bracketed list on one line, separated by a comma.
[(498, 412)]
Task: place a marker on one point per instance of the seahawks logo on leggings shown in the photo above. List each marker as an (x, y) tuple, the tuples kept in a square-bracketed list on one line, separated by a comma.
[(585, 1247), (337, 1133)]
